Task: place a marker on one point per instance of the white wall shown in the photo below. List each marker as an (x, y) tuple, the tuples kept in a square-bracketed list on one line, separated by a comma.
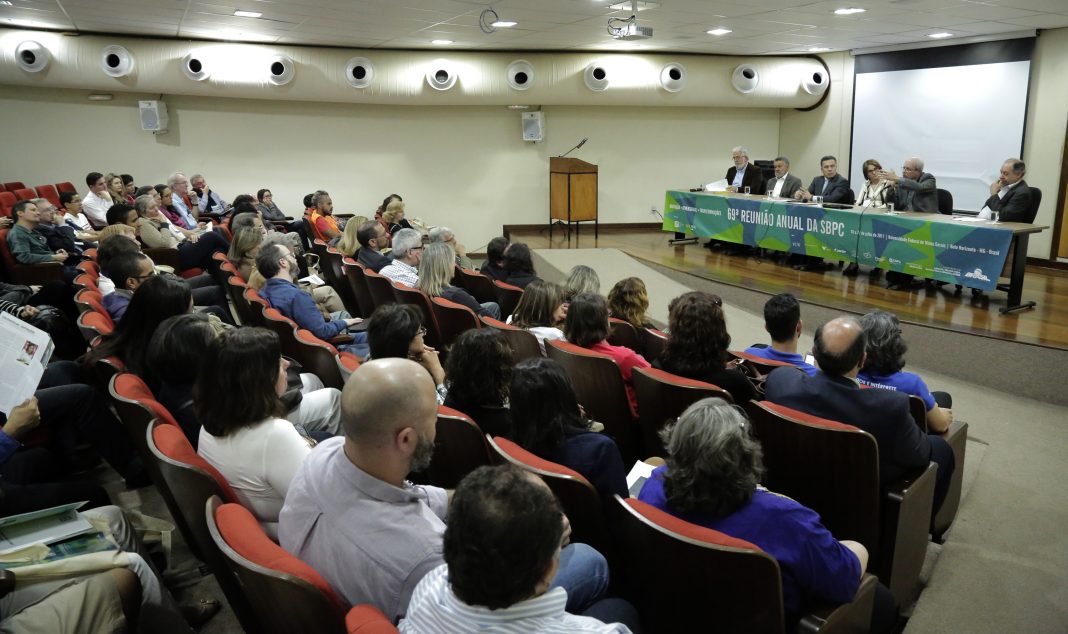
[(805, 137), (466, 167)]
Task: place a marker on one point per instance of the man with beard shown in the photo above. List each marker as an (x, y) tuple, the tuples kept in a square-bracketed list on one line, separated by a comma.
[(352, 516), (277, 264)]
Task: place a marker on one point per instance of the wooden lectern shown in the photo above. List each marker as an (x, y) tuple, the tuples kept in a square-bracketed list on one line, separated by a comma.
[(572, 193)]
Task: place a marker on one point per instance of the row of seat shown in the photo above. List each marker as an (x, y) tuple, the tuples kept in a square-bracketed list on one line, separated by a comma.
[(12, 192)]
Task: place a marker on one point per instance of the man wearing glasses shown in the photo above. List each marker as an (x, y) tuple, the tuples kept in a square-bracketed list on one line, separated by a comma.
[(128, 271), (407, 253), (915, 189)]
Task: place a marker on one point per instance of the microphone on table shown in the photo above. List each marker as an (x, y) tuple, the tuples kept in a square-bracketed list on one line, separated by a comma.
[(580, 144)]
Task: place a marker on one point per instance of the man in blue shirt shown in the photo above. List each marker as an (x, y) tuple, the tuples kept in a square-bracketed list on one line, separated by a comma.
[(782, 320), (277, 264)]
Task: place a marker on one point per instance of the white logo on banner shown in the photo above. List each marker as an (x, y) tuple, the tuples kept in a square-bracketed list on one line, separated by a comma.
[(977, 274)]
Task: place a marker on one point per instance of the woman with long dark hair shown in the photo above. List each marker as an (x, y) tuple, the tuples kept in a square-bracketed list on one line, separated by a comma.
[(519, 265), (157, 298), (479, 367), (586, 325), (237, 401), (698, 345), (547, 421)]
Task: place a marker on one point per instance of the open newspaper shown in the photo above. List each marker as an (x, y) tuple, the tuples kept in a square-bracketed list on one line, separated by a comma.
[(24, 353)]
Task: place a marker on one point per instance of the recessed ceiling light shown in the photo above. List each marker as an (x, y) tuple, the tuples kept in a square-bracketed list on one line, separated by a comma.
[(818, 49), (22, 22), (849, 11), (5, 3), (441, 42), (719, 31), (939, 36), (247, 14), (504, 24)]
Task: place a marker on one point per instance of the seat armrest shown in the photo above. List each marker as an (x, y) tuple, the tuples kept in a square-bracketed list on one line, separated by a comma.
[(7, 582), (957, 437), (366, 619), (854, 616), (904, 524), (341, 339)]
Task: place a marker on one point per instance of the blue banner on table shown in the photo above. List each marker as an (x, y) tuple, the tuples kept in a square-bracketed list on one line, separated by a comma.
[(949, 251), (778, 225)]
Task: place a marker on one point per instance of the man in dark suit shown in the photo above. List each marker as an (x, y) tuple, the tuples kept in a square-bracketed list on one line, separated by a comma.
[(372, 237), (831, 185), (1009, 195), (834, 394), (744, 174), (915, 189), (785, 184)]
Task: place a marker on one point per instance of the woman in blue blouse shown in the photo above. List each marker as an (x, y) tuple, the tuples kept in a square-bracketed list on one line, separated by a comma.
[(711, 479), (883, 368)]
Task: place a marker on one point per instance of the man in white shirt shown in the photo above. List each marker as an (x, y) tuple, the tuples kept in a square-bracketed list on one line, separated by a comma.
[(502, 549), (784, 185), (185, 202), (407, 253), (96, 203)]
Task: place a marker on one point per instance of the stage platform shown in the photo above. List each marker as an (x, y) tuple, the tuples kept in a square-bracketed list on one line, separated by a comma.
[(1046, 325)]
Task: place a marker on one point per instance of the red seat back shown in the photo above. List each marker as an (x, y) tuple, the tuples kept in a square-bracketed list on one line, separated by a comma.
[(66, 186), (7, 201), (49, 193), (507, 297), (452, 319), (459, 448), (13, 185), (524, 344), (662, 397)]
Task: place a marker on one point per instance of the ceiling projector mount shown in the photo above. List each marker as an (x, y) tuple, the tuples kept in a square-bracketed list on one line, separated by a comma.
[(628, 29)]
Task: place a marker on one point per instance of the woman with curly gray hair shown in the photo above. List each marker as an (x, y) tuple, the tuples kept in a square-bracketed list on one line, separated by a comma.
[(883, 368), (712, 479)]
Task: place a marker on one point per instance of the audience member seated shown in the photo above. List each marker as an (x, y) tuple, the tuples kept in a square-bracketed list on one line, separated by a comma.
[(246, 438), (28, 302), (116, 189), (277, 264), (372, 239), (60, 236), (208, 200), (628, 300), (697, 348), (157, 298), (479, 367), (548, 422), (581, 279), (712, 478), (586, 325), (164, 196), (502, 550), (782, 320), (29, 246), (129, 188), (96, 203), (541, 310), (69, 412), (352, 515), (74, 218), (244, 247), (184, 203), (267, 208), (348, 243), (195, 249), (128, 271), (437, 268), (446, 236), (175, 355), (396, 331), (519, 265), (245, 215), (322, 217), (883, 368), (114, 239), (382, 208), (96, 602), (834, 393), (393, 215), (493, 267), (407, 253)]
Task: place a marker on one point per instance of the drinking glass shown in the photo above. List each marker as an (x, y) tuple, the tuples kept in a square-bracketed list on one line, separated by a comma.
[(890, 208), (818, 200), (746, 190), (995, 216)]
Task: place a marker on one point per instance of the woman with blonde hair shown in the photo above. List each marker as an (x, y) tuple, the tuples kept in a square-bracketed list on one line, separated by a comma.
[(117, 189), (437, 269), (581, 279), (394, 217), (243, 250), (541, 310), (628, 300), (348, 243)]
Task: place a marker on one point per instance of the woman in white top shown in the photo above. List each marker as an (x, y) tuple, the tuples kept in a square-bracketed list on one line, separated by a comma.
[(877, 191), (541, 310), (236, 398)]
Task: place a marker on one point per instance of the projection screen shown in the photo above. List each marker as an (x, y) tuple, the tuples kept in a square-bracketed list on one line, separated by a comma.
[(961, 109)]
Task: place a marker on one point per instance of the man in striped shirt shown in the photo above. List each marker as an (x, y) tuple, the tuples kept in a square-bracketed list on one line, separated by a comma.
[(502, 548)]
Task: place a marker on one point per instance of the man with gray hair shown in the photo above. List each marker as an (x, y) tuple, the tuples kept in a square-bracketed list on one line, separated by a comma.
[(742, 174), (446, 235), (407, 253), (183, 201), (915, 189), (784, 185), (59, 234), (1009, 195), (208, 199)]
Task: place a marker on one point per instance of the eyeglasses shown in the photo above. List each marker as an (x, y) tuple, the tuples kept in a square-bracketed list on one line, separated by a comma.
[(422, 332)]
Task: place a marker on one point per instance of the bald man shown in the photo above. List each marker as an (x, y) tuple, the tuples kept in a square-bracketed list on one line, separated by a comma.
[(352, 516), (834, 393)]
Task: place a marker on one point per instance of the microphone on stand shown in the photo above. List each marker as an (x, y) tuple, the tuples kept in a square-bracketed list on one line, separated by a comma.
[(580, 144)]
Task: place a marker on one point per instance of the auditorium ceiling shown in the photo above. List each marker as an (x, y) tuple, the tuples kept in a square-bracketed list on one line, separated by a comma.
[(756, 27)]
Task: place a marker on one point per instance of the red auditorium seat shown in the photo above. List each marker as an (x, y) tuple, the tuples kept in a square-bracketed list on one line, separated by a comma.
[(49, 192), (66, 187), (13, 185)]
